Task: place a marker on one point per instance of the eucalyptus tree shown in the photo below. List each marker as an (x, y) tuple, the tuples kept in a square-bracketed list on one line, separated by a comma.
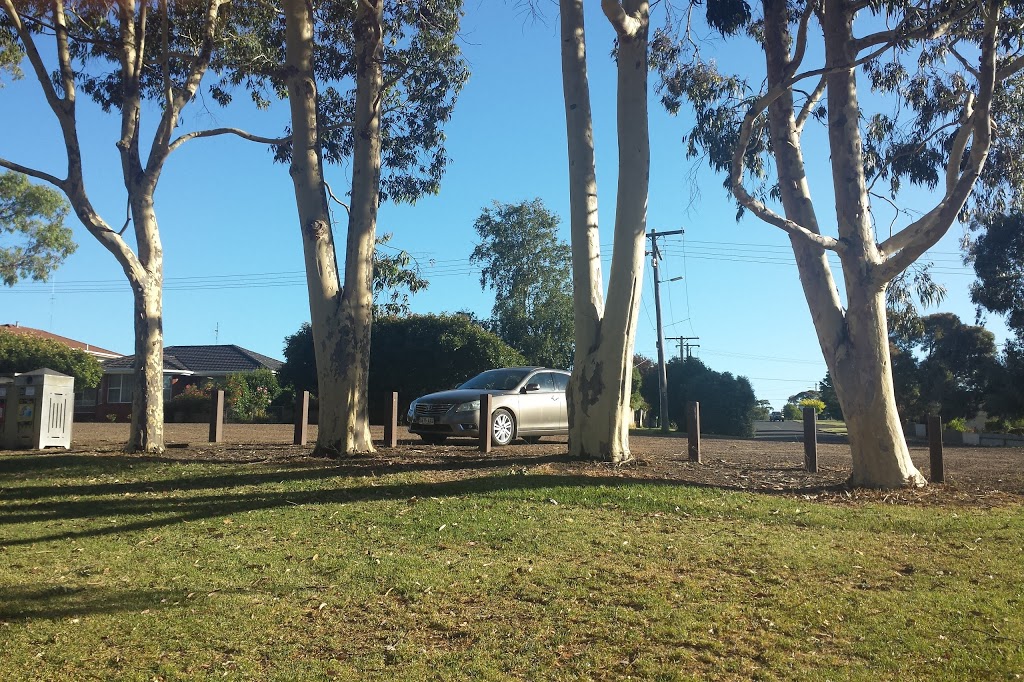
[(605, 330), (371, 84), (32, 218), (119, 54), (528, 267), (998, 259), (943, 75)]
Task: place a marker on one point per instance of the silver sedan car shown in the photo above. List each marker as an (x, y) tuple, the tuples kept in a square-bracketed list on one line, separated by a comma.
[(527, 403)]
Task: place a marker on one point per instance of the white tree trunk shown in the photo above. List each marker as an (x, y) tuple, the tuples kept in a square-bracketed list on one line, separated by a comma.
[(338, 319), (147, 430), (855, 341), (357, 300), (864, 386), (863, 372), (599, 391)]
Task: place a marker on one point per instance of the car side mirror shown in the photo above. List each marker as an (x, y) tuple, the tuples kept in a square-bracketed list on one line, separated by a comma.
[(531, 387)]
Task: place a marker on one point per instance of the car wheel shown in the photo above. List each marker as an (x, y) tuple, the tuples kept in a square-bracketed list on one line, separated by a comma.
[(531, 440), (503, 427), (433, 440)]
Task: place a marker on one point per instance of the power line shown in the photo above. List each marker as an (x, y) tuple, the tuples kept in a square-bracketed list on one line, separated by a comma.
[(765, 358), (737, 252)]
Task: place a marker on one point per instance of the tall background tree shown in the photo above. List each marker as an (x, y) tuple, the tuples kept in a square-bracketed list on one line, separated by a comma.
[(944, 74), (120, 55), (36, 241), (998, 259), (827, 394), (945, 368), (528, 267)]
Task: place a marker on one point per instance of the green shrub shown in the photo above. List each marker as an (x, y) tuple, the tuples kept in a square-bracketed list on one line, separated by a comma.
[(191, 405), (792, 412), (726, 402), (995, 425), (818, 405), (958, 424), (249, 394), (425, 353), (412, 355), (20, 353)]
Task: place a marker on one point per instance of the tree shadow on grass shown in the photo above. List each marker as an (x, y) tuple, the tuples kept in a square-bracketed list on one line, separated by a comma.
[(147, 505), (239, 475), (56, 602)]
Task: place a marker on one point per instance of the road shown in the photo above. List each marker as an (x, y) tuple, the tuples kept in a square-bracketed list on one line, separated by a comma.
[(787, 430)]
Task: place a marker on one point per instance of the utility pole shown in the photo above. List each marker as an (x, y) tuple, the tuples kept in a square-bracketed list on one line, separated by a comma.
[(662, 379), (684, 342)]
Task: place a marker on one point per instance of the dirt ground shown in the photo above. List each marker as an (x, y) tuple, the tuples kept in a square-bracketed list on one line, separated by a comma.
[(974, 475)]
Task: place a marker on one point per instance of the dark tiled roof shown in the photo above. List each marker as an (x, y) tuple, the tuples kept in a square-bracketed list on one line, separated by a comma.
[(202, 359), (70, 343), (171, 363), (207, 360)]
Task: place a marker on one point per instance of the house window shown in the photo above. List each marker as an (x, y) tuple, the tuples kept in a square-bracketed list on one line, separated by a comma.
[(167, 387), (119, 388), (85, 397)]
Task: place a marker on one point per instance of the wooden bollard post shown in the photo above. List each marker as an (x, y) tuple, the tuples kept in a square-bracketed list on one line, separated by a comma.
[(391, 426), (301, 418), (693, 431), (485, 422), (935, 448), (217, 417), (810, 440)]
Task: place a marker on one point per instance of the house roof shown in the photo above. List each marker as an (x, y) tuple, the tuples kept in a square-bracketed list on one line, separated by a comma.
[(95, 351), (204, 360), (172, 365)]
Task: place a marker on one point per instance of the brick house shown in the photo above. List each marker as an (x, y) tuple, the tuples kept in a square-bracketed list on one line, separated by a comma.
[(85, 398), (183, 366)]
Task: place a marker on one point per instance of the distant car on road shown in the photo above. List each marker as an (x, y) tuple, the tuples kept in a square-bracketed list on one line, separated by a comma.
[(528, 402), (777, 417)]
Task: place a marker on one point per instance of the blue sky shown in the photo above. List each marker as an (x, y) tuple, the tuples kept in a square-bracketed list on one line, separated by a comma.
[(233, 262)]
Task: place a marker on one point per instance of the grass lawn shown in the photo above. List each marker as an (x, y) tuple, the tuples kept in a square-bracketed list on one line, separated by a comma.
[(114, 567), (833, 426)]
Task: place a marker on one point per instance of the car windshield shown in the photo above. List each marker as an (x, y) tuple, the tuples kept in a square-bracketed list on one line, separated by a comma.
[(497, 380)]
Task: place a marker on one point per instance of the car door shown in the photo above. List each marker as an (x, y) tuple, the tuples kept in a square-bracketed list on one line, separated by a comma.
[(537, 411), (561, 383)]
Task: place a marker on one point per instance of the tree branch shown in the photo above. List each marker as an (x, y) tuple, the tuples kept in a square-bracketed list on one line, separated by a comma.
[(812, 101), (626, 25), (909, 244), (330, 193), (32, 52), (32, 172), (1011, 69), (131, 105), (753, 205), (176, 102), (963, 62), (903, 33), (67, 74), (226, 131), (801, 39)]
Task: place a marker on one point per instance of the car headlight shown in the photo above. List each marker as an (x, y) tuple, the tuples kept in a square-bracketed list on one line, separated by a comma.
[(471, 406), (412, 409)]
